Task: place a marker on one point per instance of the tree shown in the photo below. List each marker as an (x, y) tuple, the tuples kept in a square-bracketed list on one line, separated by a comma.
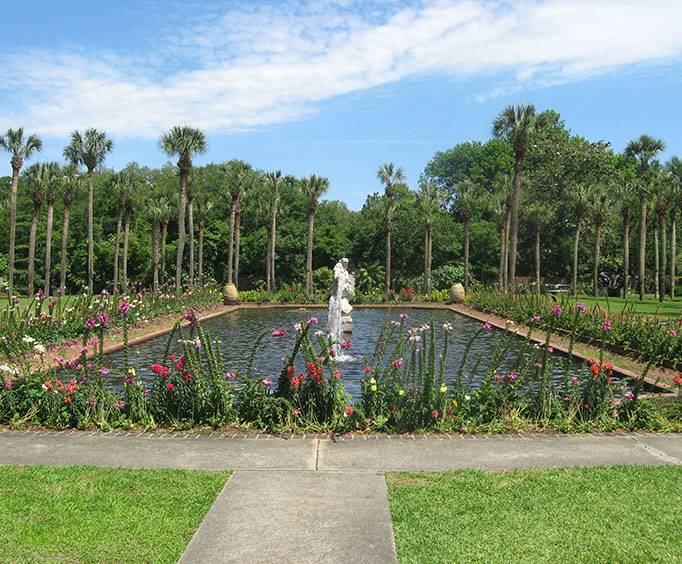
[(580, 207), (516, 124), (192, 181), (72, 183), (236, 173), (37, 180), (625, 191), (431, 199), (123, 188), (644, 149), (90, 149), (204, 207), (159, 210), (20, 149), (131, 188), (538, 215), (53, 180), (390, 176), (599, 205), (467, 196), (183, 142), (663, 192), (501, 208), (674, 167), (274, 182), (312, 188)]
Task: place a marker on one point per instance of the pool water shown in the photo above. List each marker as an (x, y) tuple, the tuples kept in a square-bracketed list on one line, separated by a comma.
[(237, 331)]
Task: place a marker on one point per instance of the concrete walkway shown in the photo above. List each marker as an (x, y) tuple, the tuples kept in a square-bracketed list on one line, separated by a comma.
[(317, 499)]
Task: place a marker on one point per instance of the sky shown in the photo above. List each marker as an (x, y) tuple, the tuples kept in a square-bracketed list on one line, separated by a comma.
[(336, 87)]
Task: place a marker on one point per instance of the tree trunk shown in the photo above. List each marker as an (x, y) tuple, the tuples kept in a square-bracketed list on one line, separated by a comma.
[(309, 253), (32, 250), (156, 254), (514, 235), (230, 246), (466, 255), (537, 258), (126, 233), (65, 242), (164, 237), (48, 247), (268, 279), (237, 225), (657, 272), (91, 236), (626, 256), (117, 248), (272, 252), (388, 258), (673, 255), (182, 197), (506, 249), (503, 259), (662, 290), (202, 227), (190, 228), (427, 258), (12, 230), (642, 249), (597, 253), (576, 242)]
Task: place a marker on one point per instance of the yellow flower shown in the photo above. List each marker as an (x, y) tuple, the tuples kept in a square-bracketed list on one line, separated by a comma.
[(443, 388), (372, 381), (454, 404), (401, 393), (374, 387)]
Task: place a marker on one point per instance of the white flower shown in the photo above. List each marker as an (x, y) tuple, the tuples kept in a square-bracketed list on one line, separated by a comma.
[(447, 326), (7, 369), (39, 349), (28, 340)]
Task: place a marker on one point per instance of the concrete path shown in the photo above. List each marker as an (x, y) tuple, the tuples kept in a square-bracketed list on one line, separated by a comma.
[(317, 499)]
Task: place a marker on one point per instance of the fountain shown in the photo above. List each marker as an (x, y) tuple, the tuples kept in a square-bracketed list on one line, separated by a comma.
[(343, 287)]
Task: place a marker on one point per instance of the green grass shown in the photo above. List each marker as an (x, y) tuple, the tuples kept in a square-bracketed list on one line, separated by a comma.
[(88, 514), (613, 514), (669, 309)]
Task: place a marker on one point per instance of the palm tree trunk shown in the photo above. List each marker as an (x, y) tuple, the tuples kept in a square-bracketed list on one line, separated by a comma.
[(268, 279), (91, 236), (466, 255), (65, 241), (388, 258), (503, 259), (576, 242), (309, 253), (657, 272), (190, 226), (230, 246), (514, 234), (126, 233), (626, 256), (182, 197), (156, 254), (164, 237), (506, 249), (202, 226), (642, 249), (537, 258), (595, 267), (272, 252), (673, 254), (117, 247), (12, 229), (32, 250), (48, 247), (427, 264), (237, 225), (664, 250)]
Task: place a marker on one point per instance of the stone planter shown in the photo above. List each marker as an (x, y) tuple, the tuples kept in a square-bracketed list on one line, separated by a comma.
[(230, 294), (457, 293)]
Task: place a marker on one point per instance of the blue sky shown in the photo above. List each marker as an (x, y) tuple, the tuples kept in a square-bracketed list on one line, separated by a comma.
[(336, 87)]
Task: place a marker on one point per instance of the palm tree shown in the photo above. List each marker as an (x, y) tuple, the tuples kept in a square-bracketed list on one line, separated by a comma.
[(252, 180), (191, 195), (158, 209), (235, 172), (312, 189), (467, 196), (131, 188), (599, 205), (625, 192), (674, 167), (274, 181), (52, 189), (183, 142), (431, 199), (538, 215), (664, 197), (37, 178), (501, 207), (90, 149), (121, 186), (390, 176), (580, 206), (165, 222), (72, 182), (644, 149), (516, 124), (204, 207), (20, 149)]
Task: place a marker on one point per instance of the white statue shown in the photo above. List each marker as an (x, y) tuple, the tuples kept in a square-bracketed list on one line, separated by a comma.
[(343, 287)]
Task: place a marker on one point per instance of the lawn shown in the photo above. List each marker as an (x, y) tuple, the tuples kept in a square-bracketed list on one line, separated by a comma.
[(88, 514), (614, 514), (649, 306)]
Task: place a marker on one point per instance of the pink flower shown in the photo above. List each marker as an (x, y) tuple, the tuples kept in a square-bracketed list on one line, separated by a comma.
[(629, 395), (312, 321), (189, 316), (403, 316), (124, 307), (230, 375), (487, 326), (279, 332), (266, 382), (672, 333), (345, 344), (606, 326), (102, 319), (581, 307), (120, 404), (103, 371), (536, 318), (7, 384), (511, 377), (557, 310), (90, 323), (435, 414), (398, 362)]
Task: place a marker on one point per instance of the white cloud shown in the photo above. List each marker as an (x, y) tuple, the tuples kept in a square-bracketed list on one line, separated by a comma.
[(238, 69)]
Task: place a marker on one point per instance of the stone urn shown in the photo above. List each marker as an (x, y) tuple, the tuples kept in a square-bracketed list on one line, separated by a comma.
[(230, 294), (457, 293)]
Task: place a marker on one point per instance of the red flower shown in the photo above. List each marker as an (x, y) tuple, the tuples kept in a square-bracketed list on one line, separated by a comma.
[(186, 375), (677, 379), (170, 387), (180, 364), (367, 369), (337, 374), (349, 410), (67, 399), (594, 369)]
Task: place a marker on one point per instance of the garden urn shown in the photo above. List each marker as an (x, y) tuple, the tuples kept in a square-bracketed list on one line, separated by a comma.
[(457, 293), (230, 294)]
